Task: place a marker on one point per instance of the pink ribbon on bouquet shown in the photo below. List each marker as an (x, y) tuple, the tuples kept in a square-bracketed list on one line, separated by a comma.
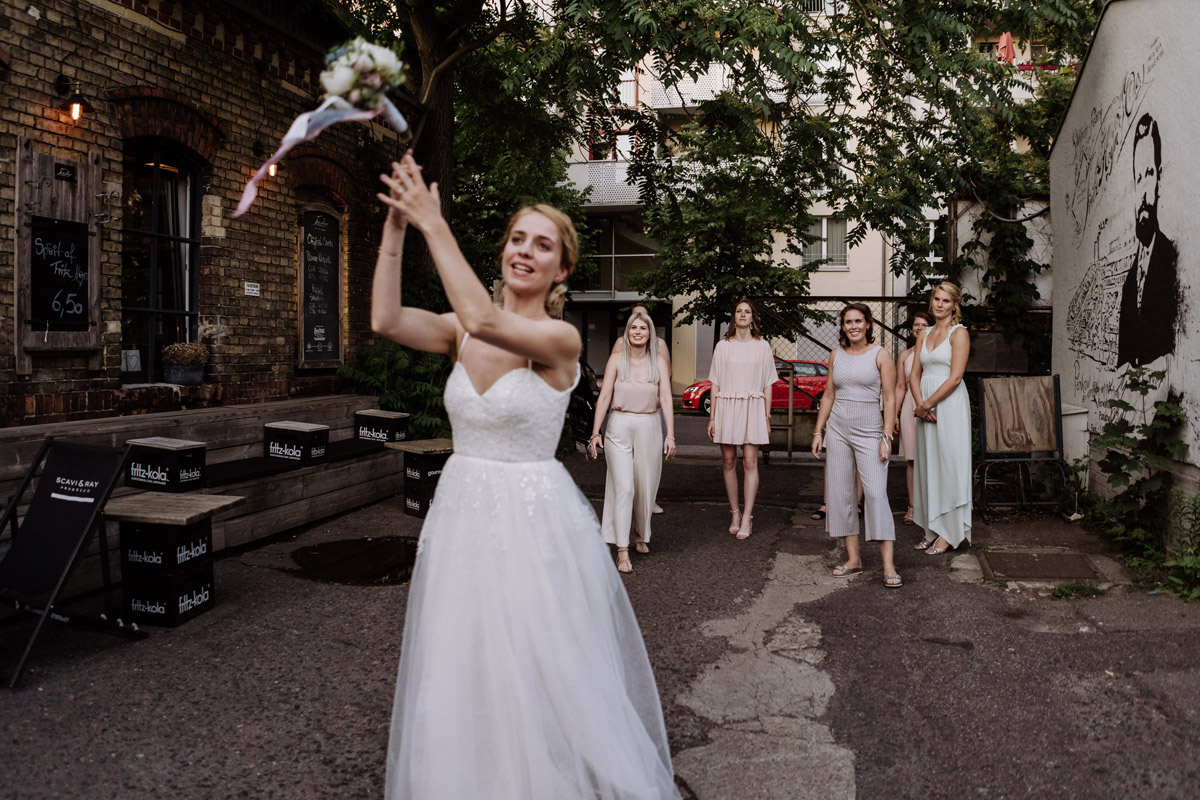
[(309, 125)]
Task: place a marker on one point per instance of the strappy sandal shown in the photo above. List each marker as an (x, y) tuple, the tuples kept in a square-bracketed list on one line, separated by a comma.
[(819, 513), (641, 547), (743, 531), (623, 562), (735, 523), (937, 551), (892, 581), (845, 571), (924, 544)]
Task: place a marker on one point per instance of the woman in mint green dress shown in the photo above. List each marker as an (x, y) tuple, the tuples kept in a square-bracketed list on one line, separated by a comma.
[(942, 482)]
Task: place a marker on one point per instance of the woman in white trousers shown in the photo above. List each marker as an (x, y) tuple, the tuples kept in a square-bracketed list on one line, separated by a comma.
[(636, 385)]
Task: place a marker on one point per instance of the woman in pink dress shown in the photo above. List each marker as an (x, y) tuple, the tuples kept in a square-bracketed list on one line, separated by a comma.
[(742, 371), (906, 425)]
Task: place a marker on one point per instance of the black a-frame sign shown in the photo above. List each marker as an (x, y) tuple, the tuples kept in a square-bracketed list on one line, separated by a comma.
[(63, 515)]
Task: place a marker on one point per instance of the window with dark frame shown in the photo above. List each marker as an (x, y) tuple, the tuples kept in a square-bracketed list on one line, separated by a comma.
[(160, 252), (617, 145)]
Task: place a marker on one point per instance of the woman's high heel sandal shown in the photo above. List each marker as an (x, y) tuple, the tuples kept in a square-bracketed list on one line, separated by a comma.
[(743, 531), (735, 524), (623, 562)]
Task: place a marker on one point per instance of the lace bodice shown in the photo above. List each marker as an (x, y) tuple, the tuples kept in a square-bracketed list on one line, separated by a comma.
[(519, 417)]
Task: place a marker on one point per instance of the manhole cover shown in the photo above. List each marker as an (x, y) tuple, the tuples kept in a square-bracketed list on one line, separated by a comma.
[(376, 560), (1036, 566)]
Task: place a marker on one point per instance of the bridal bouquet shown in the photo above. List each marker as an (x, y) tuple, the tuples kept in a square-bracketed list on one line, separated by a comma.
[(357, 78)]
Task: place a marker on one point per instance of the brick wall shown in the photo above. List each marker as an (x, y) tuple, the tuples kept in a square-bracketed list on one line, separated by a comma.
[(224, 83)]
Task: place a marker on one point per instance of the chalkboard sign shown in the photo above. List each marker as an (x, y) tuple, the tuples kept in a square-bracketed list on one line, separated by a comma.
[(321, 299), (58, 267)]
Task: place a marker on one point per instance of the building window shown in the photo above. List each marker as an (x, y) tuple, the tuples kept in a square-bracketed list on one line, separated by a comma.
[(827, 243), (622, 250), (618, 145), (161, 245)]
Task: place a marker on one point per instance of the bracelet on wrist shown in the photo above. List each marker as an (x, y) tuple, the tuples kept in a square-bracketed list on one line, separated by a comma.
[(672, 438), (595, 436)]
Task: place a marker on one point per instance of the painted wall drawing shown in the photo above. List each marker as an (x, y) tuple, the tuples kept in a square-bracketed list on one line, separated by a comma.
[(1125, 182), (1150, 294)]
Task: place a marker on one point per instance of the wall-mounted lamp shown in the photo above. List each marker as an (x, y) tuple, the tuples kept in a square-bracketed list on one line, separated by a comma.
[(75, 103), (259, 151)]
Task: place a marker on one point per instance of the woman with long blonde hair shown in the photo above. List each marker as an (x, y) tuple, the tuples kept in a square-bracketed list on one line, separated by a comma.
[(637, 384), (942, 478), (523, 672)]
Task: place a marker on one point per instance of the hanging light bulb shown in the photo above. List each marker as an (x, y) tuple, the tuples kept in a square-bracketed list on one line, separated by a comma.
[(271, 170), (76, 104)]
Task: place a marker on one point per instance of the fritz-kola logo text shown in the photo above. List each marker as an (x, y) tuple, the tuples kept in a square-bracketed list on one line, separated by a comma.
[(191, 474), (145, 557), (377, 434), (187, 553), (189, 601), (284, 450), (145, 607), (145, 472)]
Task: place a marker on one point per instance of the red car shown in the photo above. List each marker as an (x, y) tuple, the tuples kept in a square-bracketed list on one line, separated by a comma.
[(810, 384)]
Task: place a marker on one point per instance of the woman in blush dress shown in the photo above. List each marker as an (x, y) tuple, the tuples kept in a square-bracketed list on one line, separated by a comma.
[(637, 385), (906, 424), (742, 372), (523, 673), (942, 481), (861, 375)]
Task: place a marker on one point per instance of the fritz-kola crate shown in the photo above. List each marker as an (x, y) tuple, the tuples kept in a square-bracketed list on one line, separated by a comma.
[(302, 443), (165, 465), (170, 599), (375, 425), (148, 548)]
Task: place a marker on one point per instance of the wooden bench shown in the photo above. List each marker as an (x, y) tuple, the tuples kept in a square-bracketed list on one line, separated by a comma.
[(272, 503)]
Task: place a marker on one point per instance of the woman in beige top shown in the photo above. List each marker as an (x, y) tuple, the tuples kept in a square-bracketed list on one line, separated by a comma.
[(636, 385), (663, 353)]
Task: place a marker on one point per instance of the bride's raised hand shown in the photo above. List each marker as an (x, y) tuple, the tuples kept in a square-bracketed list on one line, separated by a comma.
[(419, 203)]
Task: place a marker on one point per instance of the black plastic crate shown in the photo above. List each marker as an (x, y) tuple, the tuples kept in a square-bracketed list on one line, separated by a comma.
[(165, 465), (423, 470), (417, 499), (148, 548), (302, 443), (375, 425), (169, 600)]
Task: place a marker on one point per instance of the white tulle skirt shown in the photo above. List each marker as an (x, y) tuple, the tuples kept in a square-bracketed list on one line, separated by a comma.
[(523, 674)]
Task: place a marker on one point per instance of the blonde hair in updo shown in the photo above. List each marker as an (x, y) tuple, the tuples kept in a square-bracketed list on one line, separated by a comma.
[(557, 296), (955, 295)]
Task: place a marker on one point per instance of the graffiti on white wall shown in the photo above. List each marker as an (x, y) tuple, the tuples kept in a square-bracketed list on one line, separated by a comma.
[(1123, 171)]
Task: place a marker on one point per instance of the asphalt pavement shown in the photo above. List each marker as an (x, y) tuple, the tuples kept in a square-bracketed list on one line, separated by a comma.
[(777, 680)]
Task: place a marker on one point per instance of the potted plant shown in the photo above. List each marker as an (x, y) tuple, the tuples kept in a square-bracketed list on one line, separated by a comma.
[(183, 362)]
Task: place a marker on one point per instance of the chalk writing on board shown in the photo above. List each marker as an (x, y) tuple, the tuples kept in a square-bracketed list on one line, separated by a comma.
[(320, 303), (58, 275)]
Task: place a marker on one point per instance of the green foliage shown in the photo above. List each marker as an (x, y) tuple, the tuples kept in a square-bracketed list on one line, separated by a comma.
[(1067, 591), (1138, 445), (404, 380), (1184, 538)]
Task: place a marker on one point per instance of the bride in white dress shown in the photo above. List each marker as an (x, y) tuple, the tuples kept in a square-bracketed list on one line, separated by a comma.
[(523, 675)]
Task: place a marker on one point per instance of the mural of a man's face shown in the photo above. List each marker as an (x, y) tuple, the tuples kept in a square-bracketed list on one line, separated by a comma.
[(1145, 189)]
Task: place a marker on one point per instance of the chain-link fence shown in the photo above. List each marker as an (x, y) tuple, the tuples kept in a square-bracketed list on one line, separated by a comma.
[(806, 329)]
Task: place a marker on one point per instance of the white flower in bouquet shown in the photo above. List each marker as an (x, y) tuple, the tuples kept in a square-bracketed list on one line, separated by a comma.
[(361, 73)]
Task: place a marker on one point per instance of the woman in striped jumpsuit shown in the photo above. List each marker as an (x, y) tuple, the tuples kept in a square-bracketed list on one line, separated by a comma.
[(861, 375)]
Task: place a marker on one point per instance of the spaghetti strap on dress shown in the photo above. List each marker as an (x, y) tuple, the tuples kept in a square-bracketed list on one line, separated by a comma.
[(942, 476)]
